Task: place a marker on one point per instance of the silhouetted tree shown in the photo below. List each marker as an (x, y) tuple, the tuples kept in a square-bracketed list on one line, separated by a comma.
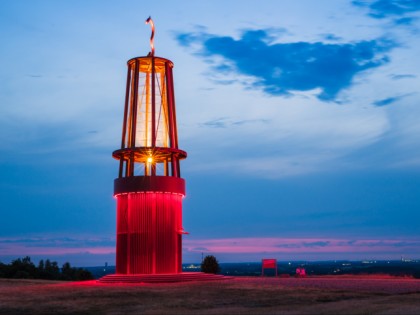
[(41, 266), (41, 270), (210, 265), (83, 274), (67, 272), (51, 270), (4, 270), (22, 269)]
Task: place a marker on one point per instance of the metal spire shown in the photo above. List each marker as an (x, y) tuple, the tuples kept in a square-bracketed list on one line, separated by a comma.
[(152, 45)]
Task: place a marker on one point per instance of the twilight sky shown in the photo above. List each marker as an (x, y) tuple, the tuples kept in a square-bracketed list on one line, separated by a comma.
[(300, 119)]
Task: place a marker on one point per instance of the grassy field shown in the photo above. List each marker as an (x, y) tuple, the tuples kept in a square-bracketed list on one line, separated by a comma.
[(241, 295)]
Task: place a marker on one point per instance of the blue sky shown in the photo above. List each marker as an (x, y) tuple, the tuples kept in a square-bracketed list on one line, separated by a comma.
[(300, 119)]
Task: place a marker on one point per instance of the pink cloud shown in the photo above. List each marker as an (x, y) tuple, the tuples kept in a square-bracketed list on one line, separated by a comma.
[(55, 246)]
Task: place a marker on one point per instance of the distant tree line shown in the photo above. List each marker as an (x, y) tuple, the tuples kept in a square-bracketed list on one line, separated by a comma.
[(25, 269)]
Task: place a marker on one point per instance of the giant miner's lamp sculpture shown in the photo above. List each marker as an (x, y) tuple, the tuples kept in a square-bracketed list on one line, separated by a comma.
[(149, 188)]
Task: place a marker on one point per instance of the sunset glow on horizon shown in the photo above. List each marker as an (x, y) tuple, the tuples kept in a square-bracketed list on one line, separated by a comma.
[(229, 249)]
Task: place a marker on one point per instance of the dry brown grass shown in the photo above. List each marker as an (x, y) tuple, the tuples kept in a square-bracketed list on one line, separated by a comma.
[(236, 296)]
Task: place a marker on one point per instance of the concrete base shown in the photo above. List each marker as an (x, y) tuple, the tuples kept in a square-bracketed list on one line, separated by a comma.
[(162, 278)]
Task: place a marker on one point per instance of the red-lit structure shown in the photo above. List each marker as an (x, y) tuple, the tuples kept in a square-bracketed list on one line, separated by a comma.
[(149, 188)]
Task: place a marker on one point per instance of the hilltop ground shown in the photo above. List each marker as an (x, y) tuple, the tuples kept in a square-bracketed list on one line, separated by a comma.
[(240, 295)]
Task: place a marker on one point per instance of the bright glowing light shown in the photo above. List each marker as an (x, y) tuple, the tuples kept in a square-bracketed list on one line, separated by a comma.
[(149, 159)]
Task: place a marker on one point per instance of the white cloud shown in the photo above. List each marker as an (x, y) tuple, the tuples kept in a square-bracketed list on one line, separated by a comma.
[(288, 135)]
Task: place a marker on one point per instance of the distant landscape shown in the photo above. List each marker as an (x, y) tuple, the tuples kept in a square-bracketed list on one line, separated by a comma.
[(398, 268)]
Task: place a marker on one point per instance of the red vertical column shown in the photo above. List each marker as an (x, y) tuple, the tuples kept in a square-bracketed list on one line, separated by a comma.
[(122, 234)]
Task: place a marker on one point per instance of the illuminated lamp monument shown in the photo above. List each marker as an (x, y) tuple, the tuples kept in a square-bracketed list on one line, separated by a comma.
[(149, 188)]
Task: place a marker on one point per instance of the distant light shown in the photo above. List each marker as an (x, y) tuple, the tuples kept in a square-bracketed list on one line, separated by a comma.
[(149, 159)]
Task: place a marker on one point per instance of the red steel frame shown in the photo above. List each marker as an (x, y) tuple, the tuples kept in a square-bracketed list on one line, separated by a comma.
[(149, 188)]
